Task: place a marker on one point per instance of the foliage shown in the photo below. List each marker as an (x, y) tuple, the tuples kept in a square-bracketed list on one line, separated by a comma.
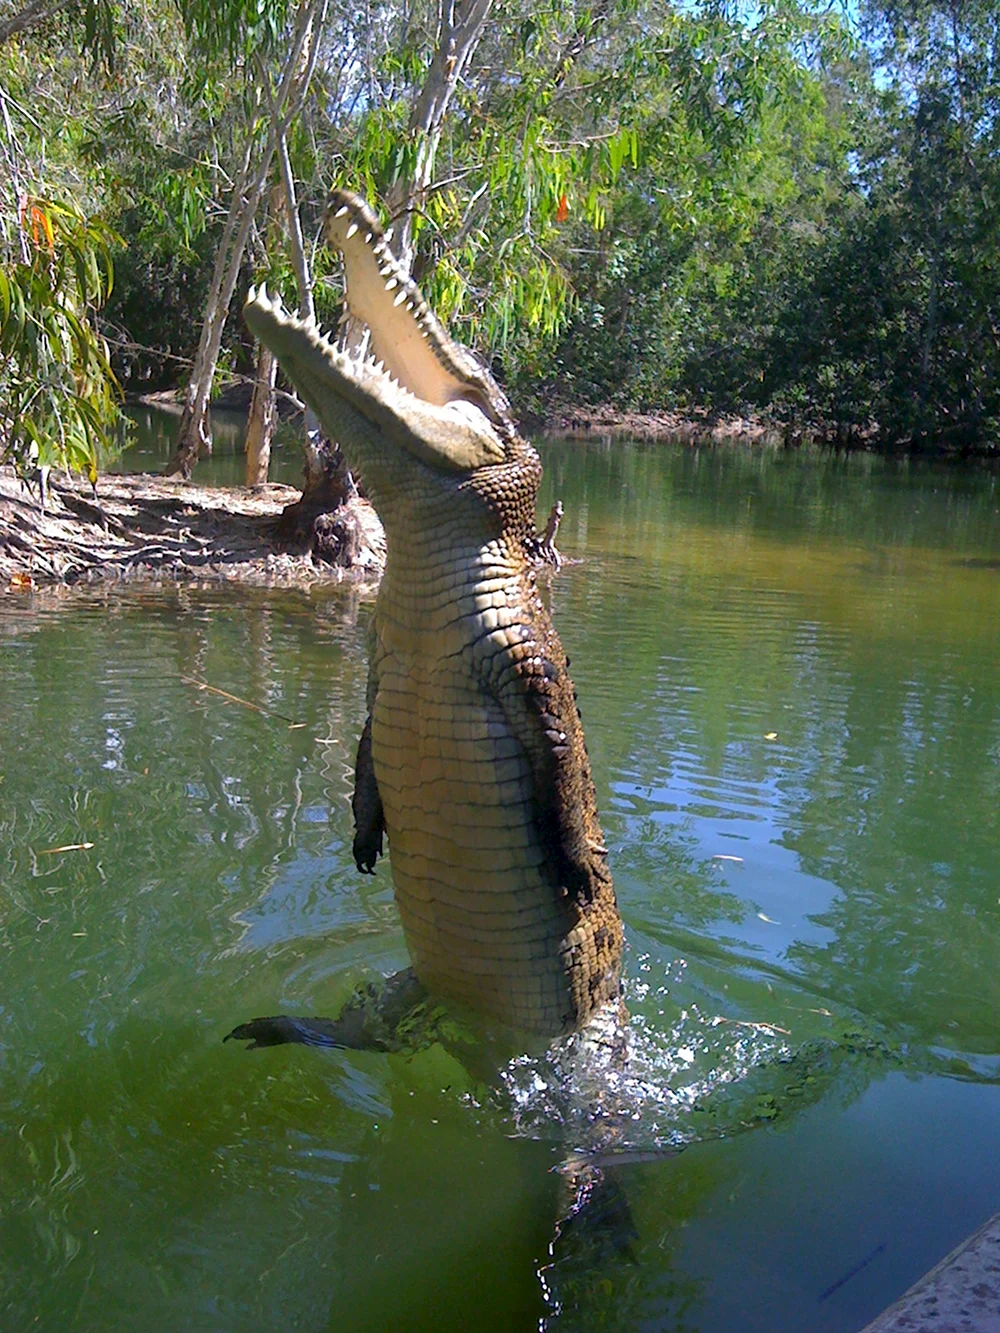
[(860, 297), (60, 396), (705, 205), (686, 233), (888, 323)]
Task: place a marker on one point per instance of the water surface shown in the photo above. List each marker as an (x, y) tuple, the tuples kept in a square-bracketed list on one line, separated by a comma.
[(152, 434), (788, 671)]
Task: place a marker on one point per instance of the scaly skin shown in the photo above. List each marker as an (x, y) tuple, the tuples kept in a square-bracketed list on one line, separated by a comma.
[(473, 759)]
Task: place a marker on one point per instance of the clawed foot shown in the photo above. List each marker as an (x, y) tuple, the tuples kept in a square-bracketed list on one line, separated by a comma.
[(280, 1029), (375, 1018)]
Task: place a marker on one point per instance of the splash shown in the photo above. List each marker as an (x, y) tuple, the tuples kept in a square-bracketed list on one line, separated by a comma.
[(639, 1085)]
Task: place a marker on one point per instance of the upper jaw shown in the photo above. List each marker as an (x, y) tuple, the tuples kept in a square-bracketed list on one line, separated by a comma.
[(406, 334), (351, 395)]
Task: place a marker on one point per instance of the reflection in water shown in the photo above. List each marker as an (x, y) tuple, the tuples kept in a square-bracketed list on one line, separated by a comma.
[(153, 431), (788, 677)]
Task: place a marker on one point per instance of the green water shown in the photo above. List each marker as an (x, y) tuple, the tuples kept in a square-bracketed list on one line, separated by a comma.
[(791, 662), (152, 432)]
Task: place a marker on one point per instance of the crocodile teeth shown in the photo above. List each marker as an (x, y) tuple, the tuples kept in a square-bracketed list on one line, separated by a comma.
[(350, 231), (400, 297), (368, 238), (387, 235), (341, 211)]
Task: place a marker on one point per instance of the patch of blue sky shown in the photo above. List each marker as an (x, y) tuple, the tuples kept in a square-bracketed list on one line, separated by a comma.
[(750, 12)]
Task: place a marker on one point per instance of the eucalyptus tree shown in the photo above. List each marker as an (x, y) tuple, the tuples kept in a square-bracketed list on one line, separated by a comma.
[(59, 399), (867, 304), (459, 29), (465, 129), (58, 395), (242, 34), (935, 185)]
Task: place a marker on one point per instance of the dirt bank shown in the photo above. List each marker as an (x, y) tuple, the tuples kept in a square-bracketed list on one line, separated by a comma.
[(142, 526), (585, 422)]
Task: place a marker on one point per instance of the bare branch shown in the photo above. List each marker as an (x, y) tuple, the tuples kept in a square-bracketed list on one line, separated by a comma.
[(33, 15)]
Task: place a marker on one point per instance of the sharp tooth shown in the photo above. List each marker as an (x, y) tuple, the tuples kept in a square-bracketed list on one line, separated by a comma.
[(262, 294), (400, 296), (341, 211), (368, 238), (350, 231), (387, 235), (393, 282), (409, 305), (387, 271)]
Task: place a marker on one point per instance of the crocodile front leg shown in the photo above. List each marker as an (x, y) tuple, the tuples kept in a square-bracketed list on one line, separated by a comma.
[(366, 803)]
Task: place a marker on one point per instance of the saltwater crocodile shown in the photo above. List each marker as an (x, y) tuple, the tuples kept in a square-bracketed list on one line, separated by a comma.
[(472, 760)]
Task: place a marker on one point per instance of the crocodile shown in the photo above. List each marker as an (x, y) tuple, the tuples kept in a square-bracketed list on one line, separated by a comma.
[(472, 761)]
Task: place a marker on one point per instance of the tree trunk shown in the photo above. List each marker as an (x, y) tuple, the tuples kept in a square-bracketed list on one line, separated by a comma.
[(194, 437), (329, 486), (461, 27), (260, 425), (263, 407), (328, 480)]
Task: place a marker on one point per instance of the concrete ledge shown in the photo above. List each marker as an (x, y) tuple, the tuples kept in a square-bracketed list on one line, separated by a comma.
[(960, 1295)]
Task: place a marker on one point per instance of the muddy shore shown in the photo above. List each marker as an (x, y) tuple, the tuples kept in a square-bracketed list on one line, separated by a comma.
[(142, 526)]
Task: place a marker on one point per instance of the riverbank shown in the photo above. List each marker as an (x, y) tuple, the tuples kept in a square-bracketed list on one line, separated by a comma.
[(702, 428), (575, 421), (143, 526), (586, 422), (698, 427)]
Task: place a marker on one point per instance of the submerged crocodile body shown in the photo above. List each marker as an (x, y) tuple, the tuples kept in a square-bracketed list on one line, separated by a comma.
[(472, 760)]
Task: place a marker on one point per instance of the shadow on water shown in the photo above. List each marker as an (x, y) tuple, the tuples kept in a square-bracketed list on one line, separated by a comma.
[(793, 714)]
